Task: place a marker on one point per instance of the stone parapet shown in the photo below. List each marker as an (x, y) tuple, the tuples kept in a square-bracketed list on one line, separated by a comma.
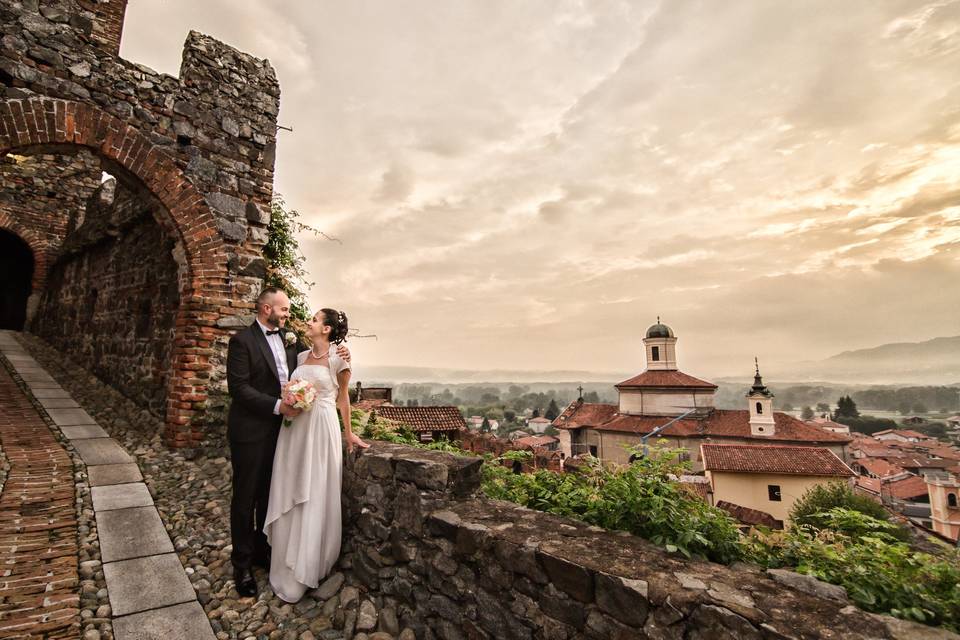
[(455, 565)]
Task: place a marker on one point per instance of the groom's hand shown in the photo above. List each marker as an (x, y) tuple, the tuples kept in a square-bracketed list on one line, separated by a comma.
[(288, 410), (343, 352)]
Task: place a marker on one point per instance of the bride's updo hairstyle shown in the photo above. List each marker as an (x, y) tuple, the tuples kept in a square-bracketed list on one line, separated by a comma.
[(337, 321)]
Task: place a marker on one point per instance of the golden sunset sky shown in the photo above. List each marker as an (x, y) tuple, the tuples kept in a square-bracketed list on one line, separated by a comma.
[(527, 185)]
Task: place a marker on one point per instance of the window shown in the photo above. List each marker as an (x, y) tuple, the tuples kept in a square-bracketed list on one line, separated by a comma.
[(773, 492), (655, 351), (593, 451), (952, 500), (759, 409)]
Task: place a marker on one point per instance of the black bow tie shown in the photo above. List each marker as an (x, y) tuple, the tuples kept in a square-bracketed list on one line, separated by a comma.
[(273, 333)]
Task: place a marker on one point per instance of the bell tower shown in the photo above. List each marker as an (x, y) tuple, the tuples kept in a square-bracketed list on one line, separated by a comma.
[(760, 401), (661, 347)]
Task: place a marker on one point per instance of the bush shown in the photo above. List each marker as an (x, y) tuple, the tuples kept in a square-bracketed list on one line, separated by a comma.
[(879, 573), (642, 499), (868, 424), (814, 507)]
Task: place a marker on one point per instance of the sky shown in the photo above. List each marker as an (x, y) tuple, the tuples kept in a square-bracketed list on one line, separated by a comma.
[(528, 185)]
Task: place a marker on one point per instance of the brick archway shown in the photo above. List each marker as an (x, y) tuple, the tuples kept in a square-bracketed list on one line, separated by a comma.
[(49, 123), (39, 246)]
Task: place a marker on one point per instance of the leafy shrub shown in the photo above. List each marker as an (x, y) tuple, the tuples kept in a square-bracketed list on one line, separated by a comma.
[(879, 573), (813, 507), (642, 499)]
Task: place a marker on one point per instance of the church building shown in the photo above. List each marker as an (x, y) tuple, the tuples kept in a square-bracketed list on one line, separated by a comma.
[(662, 394)]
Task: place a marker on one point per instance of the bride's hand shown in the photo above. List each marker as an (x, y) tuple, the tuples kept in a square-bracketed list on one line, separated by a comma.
[(344, 353), (353, 441)]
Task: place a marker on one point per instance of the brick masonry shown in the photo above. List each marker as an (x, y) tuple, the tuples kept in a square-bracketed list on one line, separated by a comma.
[(39, 584), (200, 145)]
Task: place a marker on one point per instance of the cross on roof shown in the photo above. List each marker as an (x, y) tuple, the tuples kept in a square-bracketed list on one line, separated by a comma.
[(580, 389)]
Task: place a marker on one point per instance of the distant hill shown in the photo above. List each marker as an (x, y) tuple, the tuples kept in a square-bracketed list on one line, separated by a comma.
[(934, 362)]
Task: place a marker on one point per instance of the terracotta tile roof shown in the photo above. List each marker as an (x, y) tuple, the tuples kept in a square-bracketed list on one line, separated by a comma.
[(871, 485), (368, 405), (948, 453), (666, 379), (873, 449), (535, 441), (719, 423), (912, 487), (761, 458), (880, 467), (906, 433), (424, 418), (750, 516)]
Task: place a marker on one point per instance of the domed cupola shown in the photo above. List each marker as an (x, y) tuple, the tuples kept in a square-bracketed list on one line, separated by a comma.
[(659, 330), (760, 401), (661, 347)]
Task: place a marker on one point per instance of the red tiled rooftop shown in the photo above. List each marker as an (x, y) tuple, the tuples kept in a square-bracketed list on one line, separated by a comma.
[(750, 516), (424, 418), (719, 423), (666, 379), (753, 458), (912, 487), (536, 441), (880, 467)]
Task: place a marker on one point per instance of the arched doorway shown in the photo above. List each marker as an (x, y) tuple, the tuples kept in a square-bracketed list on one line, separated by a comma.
[(56, 126), (17, 266)]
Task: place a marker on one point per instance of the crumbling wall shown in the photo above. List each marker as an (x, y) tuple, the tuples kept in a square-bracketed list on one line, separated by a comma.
[(448, 564), (202, 144), (113, 294)]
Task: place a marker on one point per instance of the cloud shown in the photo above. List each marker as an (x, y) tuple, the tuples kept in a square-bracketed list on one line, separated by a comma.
[(529, 185)]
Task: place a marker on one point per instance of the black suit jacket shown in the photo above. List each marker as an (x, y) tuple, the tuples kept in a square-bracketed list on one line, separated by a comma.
[(254, 385)]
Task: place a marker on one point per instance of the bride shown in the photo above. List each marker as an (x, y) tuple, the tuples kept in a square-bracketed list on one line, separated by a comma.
[(303, 513)]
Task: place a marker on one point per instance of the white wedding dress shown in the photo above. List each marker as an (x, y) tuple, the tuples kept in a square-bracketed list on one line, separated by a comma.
[(303, 513)]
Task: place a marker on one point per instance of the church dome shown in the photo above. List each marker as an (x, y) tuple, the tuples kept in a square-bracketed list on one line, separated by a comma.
[(660, 330)]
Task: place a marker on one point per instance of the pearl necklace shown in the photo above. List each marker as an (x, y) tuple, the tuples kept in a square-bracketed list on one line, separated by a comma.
[(318, 357)]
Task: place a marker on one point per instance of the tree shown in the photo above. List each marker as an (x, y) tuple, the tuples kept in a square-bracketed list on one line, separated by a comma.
[(485, 425), (846, 408), (592, 397), (552, 410), (509, 416), (806, 414), (919, 407), (536, 413), (285, 262), (786, 406), (904, 408), (823, 407), (812, 507)]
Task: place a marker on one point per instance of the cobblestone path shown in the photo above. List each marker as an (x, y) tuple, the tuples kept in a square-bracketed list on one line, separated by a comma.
[(39, 584)]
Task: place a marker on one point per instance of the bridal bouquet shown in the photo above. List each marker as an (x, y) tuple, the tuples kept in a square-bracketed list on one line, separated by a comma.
[(299, 394)]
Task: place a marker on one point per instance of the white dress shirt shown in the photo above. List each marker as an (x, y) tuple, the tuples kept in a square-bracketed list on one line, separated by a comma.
[(279, 356)]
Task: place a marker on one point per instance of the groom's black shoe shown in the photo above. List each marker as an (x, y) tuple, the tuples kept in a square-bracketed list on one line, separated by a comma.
[(262, 560), (246, 585)]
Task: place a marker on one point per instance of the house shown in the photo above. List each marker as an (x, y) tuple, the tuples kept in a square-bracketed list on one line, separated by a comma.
[(829, 425), (661, 395), (914, 420), (944, 494), (900, 435), (954, 421), (548, 443), (367, 398), (475, 422), (428, 423), (878, 468), (539, 425), (769, 478)]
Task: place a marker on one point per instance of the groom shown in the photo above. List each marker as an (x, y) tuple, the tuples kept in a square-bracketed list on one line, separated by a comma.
[(260, 360)]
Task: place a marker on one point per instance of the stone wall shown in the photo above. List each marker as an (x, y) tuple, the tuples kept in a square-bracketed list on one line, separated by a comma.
[(428, 552), (202, 144), (113, 295), (41, 196)]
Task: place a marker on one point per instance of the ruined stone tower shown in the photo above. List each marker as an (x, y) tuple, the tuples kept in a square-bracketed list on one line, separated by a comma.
[(133, 205)]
